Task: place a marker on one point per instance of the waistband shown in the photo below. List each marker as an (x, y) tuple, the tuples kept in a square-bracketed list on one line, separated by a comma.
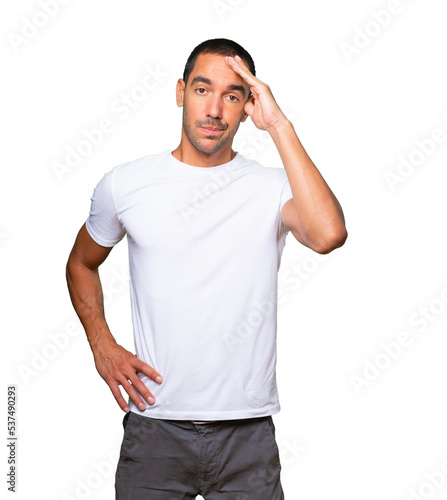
[(200, 422)]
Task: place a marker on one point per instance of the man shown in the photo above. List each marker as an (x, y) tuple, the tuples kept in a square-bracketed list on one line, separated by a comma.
[(205, 228)]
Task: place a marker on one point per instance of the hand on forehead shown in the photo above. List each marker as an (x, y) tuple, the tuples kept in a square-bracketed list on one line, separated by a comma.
[(240, 67)]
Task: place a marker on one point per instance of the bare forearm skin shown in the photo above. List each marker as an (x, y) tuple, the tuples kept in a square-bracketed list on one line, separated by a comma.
[(86, 295)]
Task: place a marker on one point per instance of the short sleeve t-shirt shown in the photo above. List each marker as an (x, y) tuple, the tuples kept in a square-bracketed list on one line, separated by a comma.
[(205, 246)]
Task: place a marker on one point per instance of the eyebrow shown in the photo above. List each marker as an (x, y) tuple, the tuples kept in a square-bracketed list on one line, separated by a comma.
[(234, 87)]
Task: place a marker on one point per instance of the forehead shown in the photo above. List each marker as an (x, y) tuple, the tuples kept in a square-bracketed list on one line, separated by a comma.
[(214, 67)]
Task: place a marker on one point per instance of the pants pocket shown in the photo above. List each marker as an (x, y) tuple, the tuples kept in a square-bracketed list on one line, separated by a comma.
[(270, 430)]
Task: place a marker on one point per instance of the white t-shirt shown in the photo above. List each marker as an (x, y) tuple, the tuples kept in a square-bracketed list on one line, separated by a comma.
[(205, 246)]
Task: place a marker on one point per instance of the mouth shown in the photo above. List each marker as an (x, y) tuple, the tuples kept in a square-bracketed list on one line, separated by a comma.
[(211, 130)]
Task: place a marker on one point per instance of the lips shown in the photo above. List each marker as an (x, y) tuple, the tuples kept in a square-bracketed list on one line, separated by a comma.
[(211, 130)]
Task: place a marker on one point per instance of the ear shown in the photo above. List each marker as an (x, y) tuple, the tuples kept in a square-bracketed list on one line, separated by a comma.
[(180, 92)]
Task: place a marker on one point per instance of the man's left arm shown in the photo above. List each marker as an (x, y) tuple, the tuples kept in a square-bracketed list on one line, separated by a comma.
[(314, 215)]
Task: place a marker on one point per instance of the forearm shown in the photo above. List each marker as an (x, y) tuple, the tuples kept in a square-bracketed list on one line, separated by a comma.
[(319, 211), (85, 290)]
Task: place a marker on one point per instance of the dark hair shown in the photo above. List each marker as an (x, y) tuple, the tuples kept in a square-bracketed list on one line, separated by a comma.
[(221, 47)]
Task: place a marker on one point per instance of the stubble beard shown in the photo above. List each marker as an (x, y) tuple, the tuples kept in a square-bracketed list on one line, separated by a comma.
[(215, 144)]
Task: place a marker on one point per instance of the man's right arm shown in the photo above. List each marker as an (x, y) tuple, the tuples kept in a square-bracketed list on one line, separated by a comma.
[(116, 365)]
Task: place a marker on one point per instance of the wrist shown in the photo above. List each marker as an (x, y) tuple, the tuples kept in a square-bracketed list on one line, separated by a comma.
[(101, 341), (281, 126)]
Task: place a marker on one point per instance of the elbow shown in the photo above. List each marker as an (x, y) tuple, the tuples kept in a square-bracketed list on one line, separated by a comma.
[(331, 241)]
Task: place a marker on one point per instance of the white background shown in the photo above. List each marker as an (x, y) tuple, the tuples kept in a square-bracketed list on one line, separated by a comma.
[(346, 429)]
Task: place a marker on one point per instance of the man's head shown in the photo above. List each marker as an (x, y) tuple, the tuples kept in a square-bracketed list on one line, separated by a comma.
[(213, 95)]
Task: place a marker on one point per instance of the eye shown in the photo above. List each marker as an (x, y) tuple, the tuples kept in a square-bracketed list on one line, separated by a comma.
[(233, 98), (199, 91)]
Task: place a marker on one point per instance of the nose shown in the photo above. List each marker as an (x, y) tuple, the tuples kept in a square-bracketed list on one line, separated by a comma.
[(214, 107)]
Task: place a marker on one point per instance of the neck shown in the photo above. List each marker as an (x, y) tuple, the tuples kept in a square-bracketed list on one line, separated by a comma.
[(190, 155)]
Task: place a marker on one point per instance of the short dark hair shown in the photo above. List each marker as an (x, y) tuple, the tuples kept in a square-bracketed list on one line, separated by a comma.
[(221, 47)]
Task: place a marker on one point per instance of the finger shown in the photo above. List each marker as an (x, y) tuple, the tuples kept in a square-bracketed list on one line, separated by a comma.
[(129, 388), (119, 397), (148, 370), (142, 389), (241, 70), (249, 108)]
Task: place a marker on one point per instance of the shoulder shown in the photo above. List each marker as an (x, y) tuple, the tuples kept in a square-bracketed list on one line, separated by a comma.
[(134, 166), (273, 174), (125, 175)]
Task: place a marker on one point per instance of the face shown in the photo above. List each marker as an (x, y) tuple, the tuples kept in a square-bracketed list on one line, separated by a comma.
[(213, 103)]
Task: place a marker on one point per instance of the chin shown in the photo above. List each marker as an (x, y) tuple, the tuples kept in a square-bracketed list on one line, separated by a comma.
[(209, 149)]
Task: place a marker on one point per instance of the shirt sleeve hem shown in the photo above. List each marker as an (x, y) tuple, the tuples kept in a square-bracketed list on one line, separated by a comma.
[(98, 239)]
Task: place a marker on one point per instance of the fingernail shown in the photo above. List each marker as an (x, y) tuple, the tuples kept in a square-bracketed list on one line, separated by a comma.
[(126, 409), (159, 379), (150, 400), (141, 406)]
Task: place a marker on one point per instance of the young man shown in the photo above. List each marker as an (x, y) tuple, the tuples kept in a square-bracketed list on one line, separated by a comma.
[(205, 228)]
